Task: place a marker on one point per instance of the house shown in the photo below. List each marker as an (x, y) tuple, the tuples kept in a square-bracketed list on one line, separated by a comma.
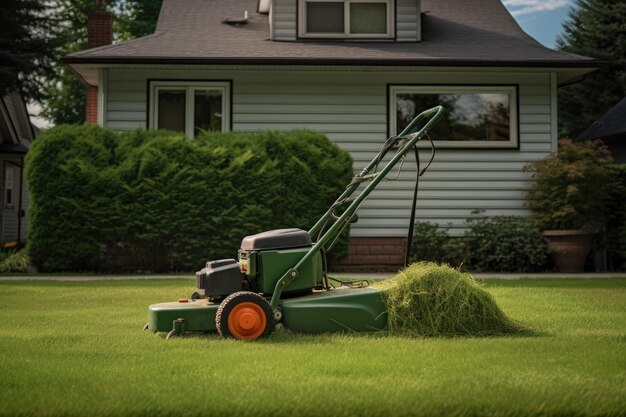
[(356, 70), (610, 129), (16, 135)]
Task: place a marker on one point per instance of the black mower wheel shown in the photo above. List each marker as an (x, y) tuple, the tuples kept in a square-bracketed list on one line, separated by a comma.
[(245, 315)]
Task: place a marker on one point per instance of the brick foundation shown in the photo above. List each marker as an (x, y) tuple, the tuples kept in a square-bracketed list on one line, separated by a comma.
[(372, 254)]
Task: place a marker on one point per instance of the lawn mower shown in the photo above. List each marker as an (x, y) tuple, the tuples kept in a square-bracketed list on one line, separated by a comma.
[(281, 275)]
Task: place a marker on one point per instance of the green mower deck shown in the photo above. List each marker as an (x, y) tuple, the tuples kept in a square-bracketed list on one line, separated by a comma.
[(341, 309)]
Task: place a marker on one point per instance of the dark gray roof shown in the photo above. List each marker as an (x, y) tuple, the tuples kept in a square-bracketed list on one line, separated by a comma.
[(16, 130), (610, 126), (455, 32)]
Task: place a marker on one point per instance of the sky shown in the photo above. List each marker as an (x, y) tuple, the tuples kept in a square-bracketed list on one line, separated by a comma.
[(541, 19)]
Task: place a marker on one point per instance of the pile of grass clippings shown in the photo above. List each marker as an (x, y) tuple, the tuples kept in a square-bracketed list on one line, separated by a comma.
[(427, 299)]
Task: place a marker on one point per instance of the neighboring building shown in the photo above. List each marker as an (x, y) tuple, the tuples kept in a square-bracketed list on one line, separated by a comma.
[(611, 129), (16, 135), (356, 70)]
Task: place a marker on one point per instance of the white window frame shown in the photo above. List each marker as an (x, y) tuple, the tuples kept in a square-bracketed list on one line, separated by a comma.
[(346, 21), (190, 87), (511, 90)]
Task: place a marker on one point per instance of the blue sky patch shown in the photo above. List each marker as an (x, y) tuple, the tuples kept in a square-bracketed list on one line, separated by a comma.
[(541, 19)]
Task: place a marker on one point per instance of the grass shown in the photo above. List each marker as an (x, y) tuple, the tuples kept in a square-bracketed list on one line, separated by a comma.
[(76, 348)]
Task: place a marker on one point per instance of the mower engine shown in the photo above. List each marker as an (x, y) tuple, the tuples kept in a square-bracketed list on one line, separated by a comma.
[(263, 260)]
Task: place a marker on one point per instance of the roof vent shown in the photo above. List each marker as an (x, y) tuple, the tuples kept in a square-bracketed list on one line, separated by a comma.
[(237, 21)]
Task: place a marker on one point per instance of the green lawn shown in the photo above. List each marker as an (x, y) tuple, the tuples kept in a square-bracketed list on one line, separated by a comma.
[(76, 349)]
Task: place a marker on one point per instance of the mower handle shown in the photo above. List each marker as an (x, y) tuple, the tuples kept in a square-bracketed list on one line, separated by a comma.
[(433, 116)]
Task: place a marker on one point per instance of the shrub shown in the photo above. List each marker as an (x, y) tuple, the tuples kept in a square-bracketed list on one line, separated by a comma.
[(572, 186), (431, 243), (427, 299), (157, 201), (505, 244), (73, 188), (15, 262), (492, 244)]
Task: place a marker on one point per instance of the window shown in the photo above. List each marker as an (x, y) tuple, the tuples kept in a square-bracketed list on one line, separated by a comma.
[(190, 107), (346, 19), (482, 117), (9, 180)]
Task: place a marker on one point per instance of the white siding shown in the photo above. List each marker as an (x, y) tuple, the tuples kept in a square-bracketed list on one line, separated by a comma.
[(408, 21), (284, 20), (351, 108)]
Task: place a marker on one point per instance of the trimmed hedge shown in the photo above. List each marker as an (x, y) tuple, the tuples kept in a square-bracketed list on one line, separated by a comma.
[(157, 201)]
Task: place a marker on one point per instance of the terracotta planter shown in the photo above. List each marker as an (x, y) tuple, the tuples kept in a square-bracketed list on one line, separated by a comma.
[(570, 248)]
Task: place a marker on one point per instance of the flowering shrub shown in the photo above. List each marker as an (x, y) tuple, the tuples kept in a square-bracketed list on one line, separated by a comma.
[(572, 186)]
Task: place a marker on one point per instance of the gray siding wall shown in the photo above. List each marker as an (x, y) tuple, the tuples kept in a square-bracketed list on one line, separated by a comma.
[(284, 17), (408, 21), (10, 213), (350, 106), (284, 20)]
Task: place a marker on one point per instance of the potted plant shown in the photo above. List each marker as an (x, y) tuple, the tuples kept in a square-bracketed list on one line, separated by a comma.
[(569, 198)]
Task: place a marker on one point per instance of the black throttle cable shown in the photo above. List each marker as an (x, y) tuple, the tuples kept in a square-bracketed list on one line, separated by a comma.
[(420, 172)]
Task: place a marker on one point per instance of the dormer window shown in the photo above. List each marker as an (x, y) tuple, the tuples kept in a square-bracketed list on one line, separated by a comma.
[(360, 19)]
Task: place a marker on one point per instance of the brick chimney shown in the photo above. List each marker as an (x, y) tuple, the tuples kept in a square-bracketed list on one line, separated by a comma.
[(99, 33)]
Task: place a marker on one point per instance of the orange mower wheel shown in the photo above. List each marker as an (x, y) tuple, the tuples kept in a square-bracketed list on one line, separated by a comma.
[(245, 315)]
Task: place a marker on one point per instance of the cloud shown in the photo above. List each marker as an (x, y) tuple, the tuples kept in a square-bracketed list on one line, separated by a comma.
[(34, 111), (522, 7)]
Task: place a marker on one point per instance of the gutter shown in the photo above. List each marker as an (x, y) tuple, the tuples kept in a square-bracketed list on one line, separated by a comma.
[(331, 61)]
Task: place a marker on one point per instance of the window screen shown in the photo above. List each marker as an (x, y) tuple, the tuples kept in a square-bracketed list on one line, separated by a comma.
[(368, 18), (171, 105), (207, 110), (325, 17)]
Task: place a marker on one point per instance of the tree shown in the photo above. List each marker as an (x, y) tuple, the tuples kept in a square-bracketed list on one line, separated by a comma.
[(64, 97), (138, 18), (595, 28), (26, 45), (64, 100)]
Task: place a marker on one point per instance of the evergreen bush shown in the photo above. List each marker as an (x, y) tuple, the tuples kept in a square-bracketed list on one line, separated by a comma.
[(491, 244), (73, 188), (157, 201), (505, 244)]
